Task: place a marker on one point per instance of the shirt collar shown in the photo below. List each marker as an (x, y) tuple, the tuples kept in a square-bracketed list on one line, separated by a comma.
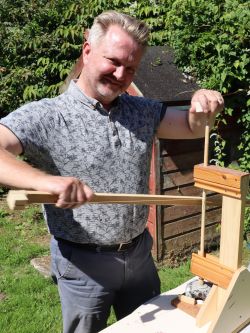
[(78, 94)]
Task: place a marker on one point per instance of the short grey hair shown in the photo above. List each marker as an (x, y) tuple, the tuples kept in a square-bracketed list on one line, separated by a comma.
[(137, 29)]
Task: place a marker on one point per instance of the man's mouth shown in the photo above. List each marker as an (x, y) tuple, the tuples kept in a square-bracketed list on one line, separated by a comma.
[(112, 81)]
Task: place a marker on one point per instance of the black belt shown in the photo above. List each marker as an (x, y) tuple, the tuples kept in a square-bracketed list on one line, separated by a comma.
[(102, 248)]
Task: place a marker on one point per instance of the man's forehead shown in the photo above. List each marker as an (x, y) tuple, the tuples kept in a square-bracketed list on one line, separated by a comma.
[(119, 36), (117, 40)]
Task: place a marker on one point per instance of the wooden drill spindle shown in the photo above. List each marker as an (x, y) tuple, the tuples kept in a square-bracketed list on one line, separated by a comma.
[(205, 161), (204, 195)]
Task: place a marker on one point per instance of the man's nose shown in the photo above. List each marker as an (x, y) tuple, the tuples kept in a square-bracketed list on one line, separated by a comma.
[(120, 72)]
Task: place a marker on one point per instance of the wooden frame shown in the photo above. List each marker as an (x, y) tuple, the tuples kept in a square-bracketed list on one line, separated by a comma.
[(227, 305)]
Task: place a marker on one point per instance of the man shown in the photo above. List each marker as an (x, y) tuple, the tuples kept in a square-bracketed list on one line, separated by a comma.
[(94, 138)]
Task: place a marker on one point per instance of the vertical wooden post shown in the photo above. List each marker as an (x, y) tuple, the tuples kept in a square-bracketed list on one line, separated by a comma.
[(232, 224)]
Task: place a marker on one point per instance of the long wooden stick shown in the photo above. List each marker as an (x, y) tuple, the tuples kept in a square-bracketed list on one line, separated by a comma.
[(18, 199), (199, 108), (204, 195)]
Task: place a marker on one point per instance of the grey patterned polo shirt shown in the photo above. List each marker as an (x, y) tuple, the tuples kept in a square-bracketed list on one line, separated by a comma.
[(73, 135)]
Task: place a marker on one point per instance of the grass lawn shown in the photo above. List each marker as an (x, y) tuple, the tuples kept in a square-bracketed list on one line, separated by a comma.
[(29, 303)]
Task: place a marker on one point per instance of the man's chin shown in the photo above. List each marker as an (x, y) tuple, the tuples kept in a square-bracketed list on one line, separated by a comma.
[(109, 95)]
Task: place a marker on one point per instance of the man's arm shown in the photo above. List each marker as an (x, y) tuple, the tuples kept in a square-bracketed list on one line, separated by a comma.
[(19, 174), (205, 105)]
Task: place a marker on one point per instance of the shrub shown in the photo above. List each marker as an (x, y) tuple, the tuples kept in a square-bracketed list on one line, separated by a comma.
[(40, 41)]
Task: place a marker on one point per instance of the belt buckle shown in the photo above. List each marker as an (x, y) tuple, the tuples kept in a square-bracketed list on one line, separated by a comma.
[(121, 245)]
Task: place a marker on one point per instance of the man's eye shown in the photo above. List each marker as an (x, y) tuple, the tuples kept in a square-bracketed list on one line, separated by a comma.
[(113, 61), (130, 70)]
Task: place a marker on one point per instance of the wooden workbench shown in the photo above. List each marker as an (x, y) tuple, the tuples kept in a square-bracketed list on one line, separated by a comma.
[(159, 316)]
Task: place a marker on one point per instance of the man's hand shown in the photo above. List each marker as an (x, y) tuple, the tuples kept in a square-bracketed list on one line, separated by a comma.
[(71, 192), (176, 124), (207, 101), (205, 105)]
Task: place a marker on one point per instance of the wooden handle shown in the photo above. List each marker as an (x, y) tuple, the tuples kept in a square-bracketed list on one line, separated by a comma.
[(19, 199)]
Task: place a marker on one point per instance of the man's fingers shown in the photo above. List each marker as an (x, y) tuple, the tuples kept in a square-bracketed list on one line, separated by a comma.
[(72, 192), (87, 192), (207, 101)]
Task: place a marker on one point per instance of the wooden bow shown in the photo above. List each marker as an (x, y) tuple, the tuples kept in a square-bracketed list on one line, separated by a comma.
[(18, 199)]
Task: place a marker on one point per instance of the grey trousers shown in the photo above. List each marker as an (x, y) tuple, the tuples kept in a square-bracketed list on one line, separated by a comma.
[(90, 282)]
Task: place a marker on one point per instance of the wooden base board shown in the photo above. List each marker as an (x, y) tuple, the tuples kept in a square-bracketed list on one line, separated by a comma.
[(242, 326), (191, 309)]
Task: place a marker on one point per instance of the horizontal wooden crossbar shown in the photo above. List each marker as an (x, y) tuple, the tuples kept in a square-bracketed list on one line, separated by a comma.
[(18, 199), (209, 268), (221, 180)]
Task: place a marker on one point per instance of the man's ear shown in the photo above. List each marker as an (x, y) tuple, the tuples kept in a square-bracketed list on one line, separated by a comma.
[(85, 50)]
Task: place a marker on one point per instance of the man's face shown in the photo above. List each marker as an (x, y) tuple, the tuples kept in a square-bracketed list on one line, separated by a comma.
[(109, 65)]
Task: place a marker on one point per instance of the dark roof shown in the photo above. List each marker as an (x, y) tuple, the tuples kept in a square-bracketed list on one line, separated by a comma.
[(158, 77)]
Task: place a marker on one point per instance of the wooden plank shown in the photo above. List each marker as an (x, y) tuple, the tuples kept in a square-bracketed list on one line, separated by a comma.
[(241, 326), (210, 269), (171, 213), (177, 245), (232, 225), (133, 90), (185, 190), (209, 308), (222, 180), (191, 309), (177, 179), (232, 232), (183, 161), (187, 299), (185, 225), (177, 147)]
